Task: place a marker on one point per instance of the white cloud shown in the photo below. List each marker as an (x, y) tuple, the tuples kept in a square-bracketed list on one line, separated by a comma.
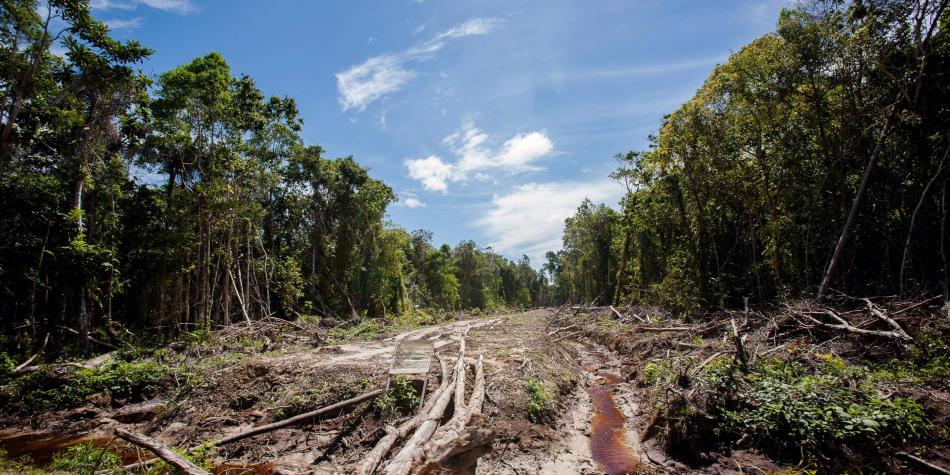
[(522, 149), (475, 156), (477, 26), (530, 219), (175, 6), (378, 76), (124, 24), (381, 75), (411, 202), (431, 171)]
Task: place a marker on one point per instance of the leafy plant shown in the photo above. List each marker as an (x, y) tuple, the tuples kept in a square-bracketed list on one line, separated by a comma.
[(539, 406), (401, 398), (86, 458)]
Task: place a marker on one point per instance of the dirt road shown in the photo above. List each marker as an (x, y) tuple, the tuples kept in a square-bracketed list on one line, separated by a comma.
[(585, 425)]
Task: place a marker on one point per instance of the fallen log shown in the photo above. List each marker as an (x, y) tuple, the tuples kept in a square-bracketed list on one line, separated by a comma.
[(401, 463), (462, 452), (173, 459), (460, 375), (890, 321), (452, 436), (298, 418), (844, 325), (393, 434)]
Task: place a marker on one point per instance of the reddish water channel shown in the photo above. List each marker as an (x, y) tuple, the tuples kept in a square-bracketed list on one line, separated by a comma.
[(608, 441)]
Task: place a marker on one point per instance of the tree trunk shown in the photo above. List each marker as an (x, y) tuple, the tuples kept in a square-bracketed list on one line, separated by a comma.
[(858, 201)]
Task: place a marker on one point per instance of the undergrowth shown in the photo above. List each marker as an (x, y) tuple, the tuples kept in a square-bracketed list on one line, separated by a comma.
[(86, 458), (401, 398), (821, 411), (539, 407), (43, 389)]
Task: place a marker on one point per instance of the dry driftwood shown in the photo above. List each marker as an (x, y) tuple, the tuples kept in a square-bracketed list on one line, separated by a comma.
[(890, 321), (298, 418), (552, 332), (173, 459), (394, 434), (460, 455), (844, 325), (401, 463)]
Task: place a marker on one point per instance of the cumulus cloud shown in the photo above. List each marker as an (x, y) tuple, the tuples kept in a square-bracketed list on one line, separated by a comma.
[(382, 75), (411, 202), (530, 219), (431, 171), (474, 156)]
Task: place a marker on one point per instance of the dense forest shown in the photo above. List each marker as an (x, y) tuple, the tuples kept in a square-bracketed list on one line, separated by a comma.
[(189, 200), (813, 161)]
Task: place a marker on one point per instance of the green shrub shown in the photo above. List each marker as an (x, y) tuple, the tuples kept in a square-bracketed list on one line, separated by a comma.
[(86, 458), (794, 411), (120, 380), (401, 398), (6, 366), (539, 401), (41, 389)]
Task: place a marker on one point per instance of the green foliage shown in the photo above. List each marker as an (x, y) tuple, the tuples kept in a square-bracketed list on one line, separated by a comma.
[(795, 411), (21, 465), (119, 380), (539, 406), (86, 458), (362, 331), (6, 366), (401, 398)]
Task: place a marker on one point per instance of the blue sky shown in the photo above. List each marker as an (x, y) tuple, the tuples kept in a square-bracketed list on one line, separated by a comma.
[(491, 120)]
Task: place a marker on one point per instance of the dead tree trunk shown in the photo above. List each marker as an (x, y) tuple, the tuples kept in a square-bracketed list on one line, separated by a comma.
[(394, 434), (173, 459), (858, 201), (401, 463)]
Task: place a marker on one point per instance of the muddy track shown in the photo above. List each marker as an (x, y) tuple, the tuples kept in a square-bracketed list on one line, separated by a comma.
[(595, 433), (592, 430)]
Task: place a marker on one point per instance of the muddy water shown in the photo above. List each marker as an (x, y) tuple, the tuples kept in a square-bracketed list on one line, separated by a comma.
[(608, 442)]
